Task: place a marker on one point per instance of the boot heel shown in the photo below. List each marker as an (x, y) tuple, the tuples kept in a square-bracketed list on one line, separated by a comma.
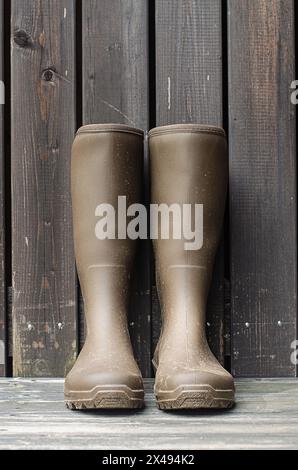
[(194, 397), (103, 397)]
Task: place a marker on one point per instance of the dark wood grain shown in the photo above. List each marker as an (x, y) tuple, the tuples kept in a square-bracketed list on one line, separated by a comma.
[(189, 90), (115, 89), (262, 187), (2, 225), (43, 124)]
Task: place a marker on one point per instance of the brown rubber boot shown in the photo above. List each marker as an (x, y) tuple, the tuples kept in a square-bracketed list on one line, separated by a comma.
[(107, 161), (189, 165)]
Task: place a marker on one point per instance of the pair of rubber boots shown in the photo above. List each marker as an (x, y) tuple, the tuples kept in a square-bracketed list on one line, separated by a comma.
[(188, 167)]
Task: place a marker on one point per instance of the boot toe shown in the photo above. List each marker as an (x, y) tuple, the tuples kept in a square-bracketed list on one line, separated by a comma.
[(218, 381), (103, 389), (88, 380)]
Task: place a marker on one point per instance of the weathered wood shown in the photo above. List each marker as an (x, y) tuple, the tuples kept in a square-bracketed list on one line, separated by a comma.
[(2, 225), (189, 90), (115, 89), (43, 124), (33, 416), (262, 187)]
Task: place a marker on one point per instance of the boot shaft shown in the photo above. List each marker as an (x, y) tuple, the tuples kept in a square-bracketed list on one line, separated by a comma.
[(189, 165), (107, 162)]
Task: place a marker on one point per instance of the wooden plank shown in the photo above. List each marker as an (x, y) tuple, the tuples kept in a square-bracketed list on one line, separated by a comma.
[(43, 125), (189, 90), (33, 415), (115, 89), (3, 349), (262, 187)]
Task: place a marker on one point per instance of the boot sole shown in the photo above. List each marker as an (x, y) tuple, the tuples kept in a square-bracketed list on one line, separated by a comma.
[(194, 397), (105, 397)]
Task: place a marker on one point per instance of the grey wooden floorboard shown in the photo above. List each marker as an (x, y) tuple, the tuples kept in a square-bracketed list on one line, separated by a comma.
[(33, 416)]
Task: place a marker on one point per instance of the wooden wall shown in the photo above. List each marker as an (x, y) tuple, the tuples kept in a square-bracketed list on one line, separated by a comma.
[(3, 316), (263, 208), (145, 63)]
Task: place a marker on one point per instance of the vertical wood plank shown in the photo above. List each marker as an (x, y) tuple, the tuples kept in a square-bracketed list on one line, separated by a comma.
[(115, 89), (2, 226), (43, 125), (189, 90), (262, 187)]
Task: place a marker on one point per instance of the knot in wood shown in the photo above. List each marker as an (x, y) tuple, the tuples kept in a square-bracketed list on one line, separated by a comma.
[(22, 38), (48, 75)]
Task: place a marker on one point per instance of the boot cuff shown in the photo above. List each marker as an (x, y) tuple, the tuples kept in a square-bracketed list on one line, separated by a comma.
[(187, 128), (94, 128)]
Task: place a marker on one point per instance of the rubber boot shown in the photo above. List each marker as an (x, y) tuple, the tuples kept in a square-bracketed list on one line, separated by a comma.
[(189, 165), (107, 161)]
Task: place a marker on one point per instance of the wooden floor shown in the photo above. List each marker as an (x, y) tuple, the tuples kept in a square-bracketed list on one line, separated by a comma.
[(33, 416)]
